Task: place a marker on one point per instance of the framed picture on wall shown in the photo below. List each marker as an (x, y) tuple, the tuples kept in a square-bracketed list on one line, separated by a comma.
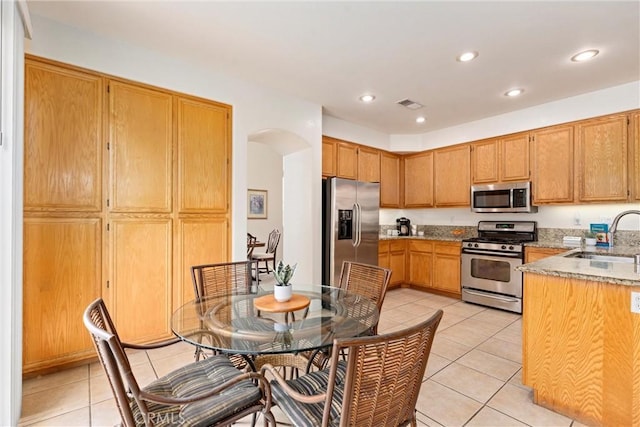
[(257, 204)]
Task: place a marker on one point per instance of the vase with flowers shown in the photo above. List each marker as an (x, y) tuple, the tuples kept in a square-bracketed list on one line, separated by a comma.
[(283, 274)]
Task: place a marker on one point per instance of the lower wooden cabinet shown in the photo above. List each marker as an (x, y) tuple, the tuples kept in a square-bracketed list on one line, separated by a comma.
[(391, 255), (420, 263), (532, 254), (446, 267), (435, 265)]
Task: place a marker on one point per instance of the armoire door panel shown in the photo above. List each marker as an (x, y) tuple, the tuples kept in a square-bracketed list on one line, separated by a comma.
[(140, 278), (62, 138), (140, 134), (204, 156), (202, 241), (62, 275)]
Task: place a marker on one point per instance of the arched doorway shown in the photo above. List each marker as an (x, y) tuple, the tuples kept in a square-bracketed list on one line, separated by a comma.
[(272, 153)]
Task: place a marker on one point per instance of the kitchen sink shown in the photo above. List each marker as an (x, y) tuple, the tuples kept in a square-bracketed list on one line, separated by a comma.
[(602, 257)]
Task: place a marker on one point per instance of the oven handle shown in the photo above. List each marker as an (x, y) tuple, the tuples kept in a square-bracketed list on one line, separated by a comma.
[(491, 296), (488, 253)]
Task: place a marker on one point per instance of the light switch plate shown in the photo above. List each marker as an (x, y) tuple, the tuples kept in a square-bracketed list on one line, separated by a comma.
[(635, 302)]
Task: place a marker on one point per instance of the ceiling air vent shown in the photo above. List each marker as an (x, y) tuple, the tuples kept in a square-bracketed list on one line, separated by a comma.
[(412, 105)]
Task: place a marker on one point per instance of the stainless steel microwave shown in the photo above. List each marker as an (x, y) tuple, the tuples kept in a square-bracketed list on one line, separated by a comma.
[(496, 198)]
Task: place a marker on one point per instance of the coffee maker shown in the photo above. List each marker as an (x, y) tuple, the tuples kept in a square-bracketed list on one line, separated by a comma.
[(404, 226)]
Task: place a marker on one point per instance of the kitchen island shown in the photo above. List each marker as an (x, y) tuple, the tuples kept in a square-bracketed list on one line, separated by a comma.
[(581, 342)]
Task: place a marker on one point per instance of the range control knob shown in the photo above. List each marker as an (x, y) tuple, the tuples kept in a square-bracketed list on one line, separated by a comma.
[(503, 247), (476, 245), (510, 248)]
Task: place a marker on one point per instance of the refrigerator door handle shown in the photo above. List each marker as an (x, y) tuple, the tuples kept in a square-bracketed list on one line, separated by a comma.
[(358, 224)]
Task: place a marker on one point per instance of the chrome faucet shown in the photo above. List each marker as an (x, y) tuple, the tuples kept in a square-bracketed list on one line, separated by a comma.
[(614, 224)]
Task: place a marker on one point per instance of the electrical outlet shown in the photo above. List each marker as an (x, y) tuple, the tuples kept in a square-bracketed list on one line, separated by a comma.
[(576, 219), (635, 302)]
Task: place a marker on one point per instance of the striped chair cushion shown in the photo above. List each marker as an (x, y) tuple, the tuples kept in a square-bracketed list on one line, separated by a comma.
[(193, 379), (310, 414)]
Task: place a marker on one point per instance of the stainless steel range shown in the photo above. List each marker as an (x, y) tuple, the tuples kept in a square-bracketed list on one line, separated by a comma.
[(488, 263)]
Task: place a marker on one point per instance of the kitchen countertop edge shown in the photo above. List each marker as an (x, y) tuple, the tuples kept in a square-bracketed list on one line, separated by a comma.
[(626, 274), (430, 237)]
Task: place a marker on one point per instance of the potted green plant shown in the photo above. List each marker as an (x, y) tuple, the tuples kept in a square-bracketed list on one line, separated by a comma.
[(283, 274), (590, 238)]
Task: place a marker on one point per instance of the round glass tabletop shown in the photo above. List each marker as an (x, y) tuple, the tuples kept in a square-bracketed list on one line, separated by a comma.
[(233, 323)]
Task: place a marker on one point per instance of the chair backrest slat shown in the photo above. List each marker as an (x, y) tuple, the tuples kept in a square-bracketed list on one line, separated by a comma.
[(272, 243), (221, 279), (370, 281), (384, 375)]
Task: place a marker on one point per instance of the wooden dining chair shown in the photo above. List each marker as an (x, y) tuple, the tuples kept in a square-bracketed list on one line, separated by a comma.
[(222, 279), (218, 280), (368, 280), (251, 245), (208, 392), (269, 256), (378, 384)]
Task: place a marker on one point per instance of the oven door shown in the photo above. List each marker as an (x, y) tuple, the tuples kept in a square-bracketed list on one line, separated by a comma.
[(492, 271)]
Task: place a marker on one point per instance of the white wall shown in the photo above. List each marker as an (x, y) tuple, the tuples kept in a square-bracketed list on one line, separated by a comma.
[(265, 172), (12, 35), (547, 216), (612, 100), (340, 129), (254, 108)]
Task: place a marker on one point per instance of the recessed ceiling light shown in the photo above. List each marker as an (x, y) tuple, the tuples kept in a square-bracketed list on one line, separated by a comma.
[(514, 92), (367, 98), (585, 55), (467, 56), (420, 119)]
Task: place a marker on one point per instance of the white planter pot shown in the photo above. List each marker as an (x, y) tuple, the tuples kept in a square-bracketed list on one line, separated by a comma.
[(590, 241), (282, 293)]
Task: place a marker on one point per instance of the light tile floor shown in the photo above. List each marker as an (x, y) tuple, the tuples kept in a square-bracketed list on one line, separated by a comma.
[(473, 377)]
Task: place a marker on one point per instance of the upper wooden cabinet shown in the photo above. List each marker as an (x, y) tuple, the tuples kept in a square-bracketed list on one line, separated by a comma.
[(390, 180), (63, 138), (418, 180), (328, 157), (514, 157), (350, 161), (602, 159), (368, 164), (500, 159), (634, 158), (452, 176), (485, 160), (552, 165), (587, 161), (346, 160)]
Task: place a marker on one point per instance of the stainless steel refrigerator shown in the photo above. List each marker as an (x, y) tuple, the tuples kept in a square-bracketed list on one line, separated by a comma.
[(350, 218)]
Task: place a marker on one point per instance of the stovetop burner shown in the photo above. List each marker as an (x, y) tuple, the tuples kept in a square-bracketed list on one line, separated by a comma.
[(496, 240), (505, 236)]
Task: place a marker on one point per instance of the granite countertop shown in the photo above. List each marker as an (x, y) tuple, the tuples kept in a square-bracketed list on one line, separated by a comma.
[(554, 244), (619, 273)]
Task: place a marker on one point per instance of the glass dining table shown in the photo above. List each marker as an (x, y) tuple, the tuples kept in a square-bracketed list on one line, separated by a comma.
[(255, 324)]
